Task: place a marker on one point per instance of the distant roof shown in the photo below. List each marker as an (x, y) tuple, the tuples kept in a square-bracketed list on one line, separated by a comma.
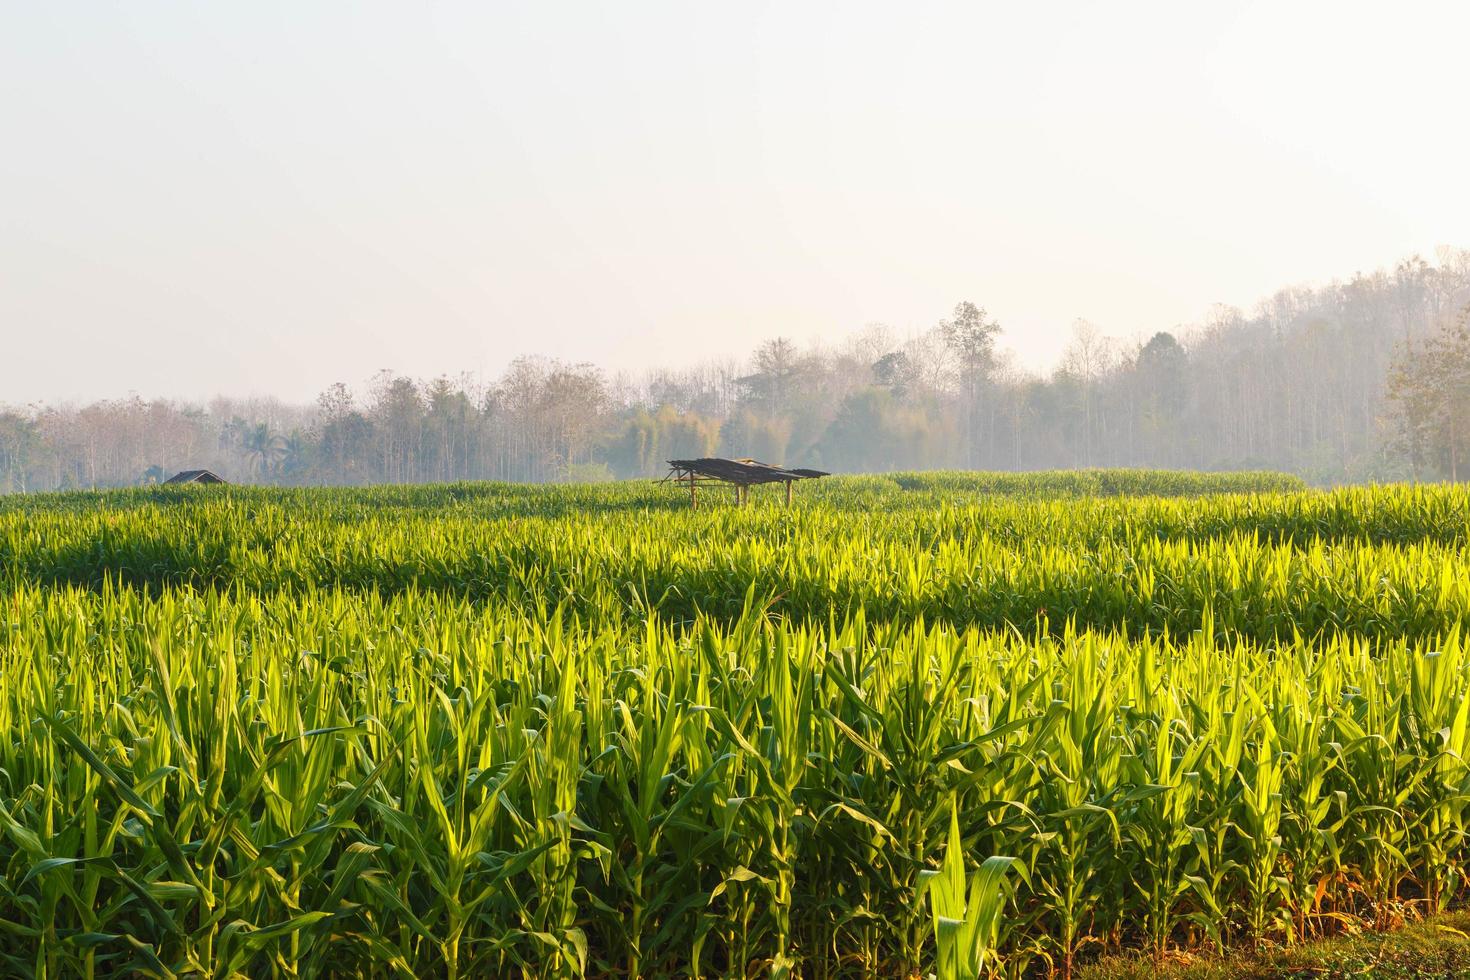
[(742, 471), (196, 476)]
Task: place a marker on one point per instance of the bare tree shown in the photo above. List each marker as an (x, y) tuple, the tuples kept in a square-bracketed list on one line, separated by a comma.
[(1088, 357)]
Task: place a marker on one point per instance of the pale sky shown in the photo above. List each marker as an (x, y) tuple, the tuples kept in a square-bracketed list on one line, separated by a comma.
[(263, 198)]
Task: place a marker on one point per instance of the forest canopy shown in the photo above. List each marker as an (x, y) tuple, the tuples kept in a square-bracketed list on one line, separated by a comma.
[(1367, 378)]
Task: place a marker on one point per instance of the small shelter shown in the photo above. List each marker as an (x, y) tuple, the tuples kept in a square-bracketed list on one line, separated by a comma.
[(741, 474), (195, 476)]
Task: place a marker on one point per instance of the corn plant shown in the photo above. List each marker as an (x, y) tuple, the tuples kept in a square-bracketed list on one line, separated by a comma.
[(953, 724), (967, 908)]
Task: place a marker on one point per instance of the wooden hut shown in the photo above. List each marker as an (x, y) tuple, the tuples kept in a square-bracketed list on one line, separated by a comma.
[(205, 477)]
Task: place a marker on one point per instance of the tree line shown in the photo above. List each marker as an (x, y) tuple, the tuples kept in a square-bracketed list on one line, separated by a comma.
[(1367, 378)]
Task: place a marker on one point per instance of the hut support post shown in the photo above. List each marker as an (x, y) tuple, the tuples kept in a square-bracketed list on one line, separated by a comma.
[(693, 493), (788, 492)]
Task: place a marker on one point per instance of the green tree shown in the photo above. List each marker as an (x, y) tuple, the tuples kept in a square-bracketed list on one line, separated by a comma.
[(263, 450), (873, 431), (748, 434), (399, 413), (449, 426), (970, 337), (300, 456), (895, 371), (1161, 375), (344, 447), (779, 368)]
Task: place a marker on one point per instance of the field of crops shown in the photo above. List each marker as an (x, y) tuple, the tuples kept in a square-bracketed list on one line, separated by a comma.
[(959, 724)]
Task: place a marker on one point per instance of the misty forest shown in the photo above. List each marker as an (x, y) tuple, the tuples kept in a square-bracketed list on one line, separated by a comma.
[(1362, 379)]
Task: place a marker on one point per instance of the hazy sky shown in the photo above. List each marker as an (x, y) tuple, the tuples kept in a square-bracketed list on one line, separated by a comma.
[(260, 198)]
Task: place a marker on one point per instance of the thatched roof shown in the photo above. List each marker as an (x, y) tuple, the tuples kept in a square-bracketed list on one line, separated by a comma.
[(742, 472), (196, 476)]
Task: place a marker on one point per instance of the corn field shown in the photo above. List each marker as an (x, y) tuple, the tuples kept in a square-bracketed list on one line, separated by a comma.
[(957, 725)]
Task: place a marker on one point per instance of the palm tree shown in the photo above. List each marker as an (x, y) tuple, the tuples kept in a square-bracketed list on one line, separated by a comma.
[(263, 450)]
